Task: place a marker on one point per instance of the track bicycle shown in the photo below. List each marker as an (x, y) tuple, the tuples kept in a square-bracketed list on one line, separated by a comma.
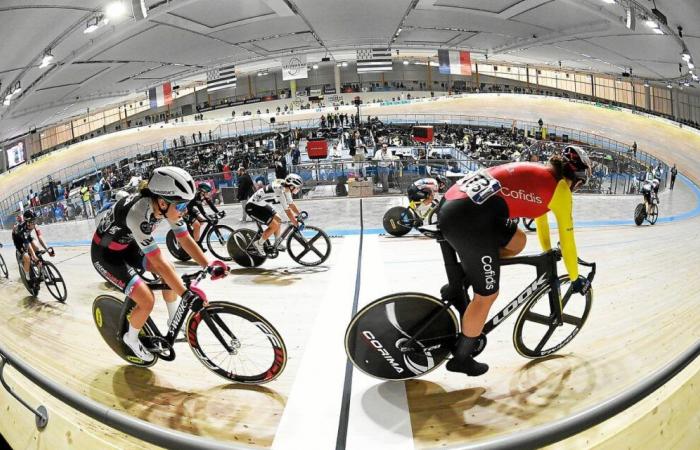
[(648, 210), (231, 340), (215, 234), (399, 220), (405, 335), (3, 266), (307, 245), (43, 271)]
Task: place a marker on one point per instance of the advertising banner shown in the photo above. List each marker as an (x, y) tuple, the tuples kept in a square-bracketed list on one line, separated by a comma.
[(15, 154)]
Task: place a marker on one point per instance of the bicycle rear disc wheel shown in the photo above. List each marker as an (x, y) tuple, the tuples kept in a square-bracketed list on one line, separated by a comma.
[(54, 282), (399, 220), (217, 240), (375, 335), (259, 352), (535, 335), (238, 244), (3, 267), (174, 247), (639, 214), (310, 247), (654, 214)]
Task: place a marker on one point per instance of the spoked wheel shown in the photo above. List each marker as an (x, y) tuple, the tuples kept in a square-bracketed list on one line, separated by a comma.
[(310, 247), (259, 354), (3, 267), (529, 224), (377, 339), (174, 247), (238, 247), (399, 220), (106, 312), (217, 239), (639, 214), (536, 335), (54, 282), (653, 214)]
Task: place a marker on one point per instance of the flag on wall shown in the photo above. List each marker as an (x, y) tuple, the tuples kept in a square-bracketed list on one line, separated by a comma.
[(161, 95), (294, 67), (455, 62), (221, 78), (373, 60)]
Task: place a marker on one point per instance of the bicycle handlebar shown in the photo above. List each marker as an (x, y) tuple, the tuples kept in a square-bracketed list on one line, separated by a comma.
[(196, 277)]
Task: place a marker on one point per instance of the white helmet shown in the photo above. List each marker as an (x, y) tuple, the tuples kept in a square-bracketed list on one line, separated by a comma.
[(293, 180), (120, 195), (172, 184)]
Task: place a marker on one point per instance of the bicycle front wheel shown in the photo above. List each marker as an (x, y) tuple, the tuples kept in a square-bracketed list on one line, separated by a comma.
[(536, 334), (217, 240), (258, 354), (377, 341), (653, 214), (3, 267), (399, 220), (639, 214), (54, 282), (310, 247)]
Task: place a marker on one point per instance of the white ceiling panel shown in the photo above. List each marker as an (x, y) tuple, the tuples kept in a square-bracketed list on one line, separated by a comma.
[(257, 30), (494, 6), (553, 16), (163, 72), (287, 43), (427, 36), (165, 43), (48, 96), (76, 74), (222, 12)]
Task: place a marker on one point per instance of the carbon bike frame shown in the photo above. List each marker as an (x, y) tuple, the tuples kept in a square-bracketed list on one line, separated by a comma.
[(290, 228), (180, 314), (545, 264)]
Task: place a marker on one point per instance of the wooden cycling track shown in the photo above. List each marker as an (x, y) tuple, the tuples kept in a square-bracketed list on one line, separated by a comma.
[(645, 313)]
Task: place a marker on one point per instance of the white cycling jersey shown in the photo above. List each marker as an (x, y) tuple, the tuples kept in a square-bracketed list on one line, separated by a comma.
[(427, 184), (273, 194)]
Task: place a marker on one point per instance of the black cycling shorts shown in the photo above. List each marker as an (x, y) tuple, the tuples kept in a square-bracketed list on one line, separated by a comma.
[(415, 194), (259, 213), (477, 233), (121, 268)]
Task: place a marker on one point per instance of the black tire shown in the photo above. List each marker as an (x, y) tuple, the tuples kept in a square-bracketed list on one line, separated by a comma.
[(54, 282), (374, 335), (237, 246), (654, 214), (537, 318), (399, 220), (312, 242), (217, 241), (529, 224), (106, 312), (432, 218), (260, 348), (3, 267), (174, 247), (639, 214)]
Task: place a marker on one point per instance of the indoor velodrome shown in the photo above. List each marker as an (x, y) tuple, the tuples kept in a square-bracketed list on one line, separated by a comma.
[(304, 224)]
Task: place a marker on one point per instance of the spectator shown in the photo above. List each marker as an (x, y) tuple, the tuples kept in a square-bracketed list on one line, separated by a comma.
[(634, 149), (384, 162), (674, 172), (245, 190), (296, 155), (85, 196), (194, 139), (200, 136), (228, 178)]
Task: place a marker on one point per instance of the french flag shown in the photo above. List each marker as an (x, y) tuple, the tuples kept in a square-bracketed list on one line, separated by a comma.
[(161, 95), (455, 62)]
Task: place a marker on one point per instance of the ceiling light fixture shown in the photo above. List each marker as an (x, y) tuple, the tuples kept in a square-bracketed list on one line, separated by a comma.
[(115, 10), (658, 31), (695, 77), (344, 64), (92, 25), (669, 85), (651, 23), (609, 2), (46, 60), (6, 102), (399, 31), (646, 83), (315, 66), (691, 65), (18, 89), (405, 62)]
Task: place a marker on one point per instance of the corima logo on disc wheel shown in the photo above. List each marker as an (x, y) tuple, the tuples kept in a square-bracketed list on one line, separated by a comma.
[(382, 351)]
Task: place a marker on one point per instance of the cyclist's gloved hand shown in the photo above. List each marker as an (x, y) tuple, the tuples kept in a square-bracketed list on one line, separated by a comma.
[(304, 215), (218, 269), (301, 226), (581, 285), (51, 252), (221, 214)]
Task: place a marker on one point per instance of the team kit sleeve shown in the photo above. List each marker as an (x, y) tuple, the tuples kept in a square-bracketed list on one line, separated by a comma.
[(562, 206), (179, 227), (284, 197), (141, 228)]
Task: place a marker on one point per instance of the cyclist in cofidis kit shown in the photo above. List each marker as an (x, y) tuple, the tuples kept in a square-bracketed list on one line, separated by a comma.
[(123, 246), (474, 219)]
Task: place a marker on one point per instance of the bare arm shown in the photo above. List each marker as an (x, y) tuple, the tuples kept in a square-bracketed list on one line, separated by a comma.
[(166, 272), (193, 249)]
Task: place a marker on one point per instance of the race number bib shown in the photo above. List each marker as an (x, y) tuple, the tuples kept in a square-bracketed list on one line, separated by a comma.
[(479, 186)]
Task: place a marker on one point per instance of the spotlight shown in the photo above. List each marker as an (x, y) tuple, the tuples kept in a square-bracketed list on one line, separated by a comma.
[(691, 65), (92, 25), (685, 55), (646, 83), (669, 85), (46, 60), (315, 66), (115, 10), (6, 102), (18, 89), (344, 64), (658, 31), (651, 23), (405, 62), (609, 2)]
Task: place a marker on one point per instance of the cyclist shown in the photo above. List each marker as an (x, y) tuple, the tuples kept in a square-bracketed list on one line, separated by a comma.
[(195, 209), (123, 246), (475, 220), (423, 190), (24, 242), (650, 191), (259, 207)]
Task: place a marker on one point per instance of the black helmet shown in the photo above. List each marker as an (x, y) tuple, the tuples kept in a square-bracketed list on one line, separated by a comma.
[(577, 165), (29, 215)]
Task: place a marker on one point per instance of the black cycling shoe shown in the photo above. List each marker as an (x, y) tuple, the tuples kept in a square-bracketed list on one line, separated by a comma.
[(463, 362)]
